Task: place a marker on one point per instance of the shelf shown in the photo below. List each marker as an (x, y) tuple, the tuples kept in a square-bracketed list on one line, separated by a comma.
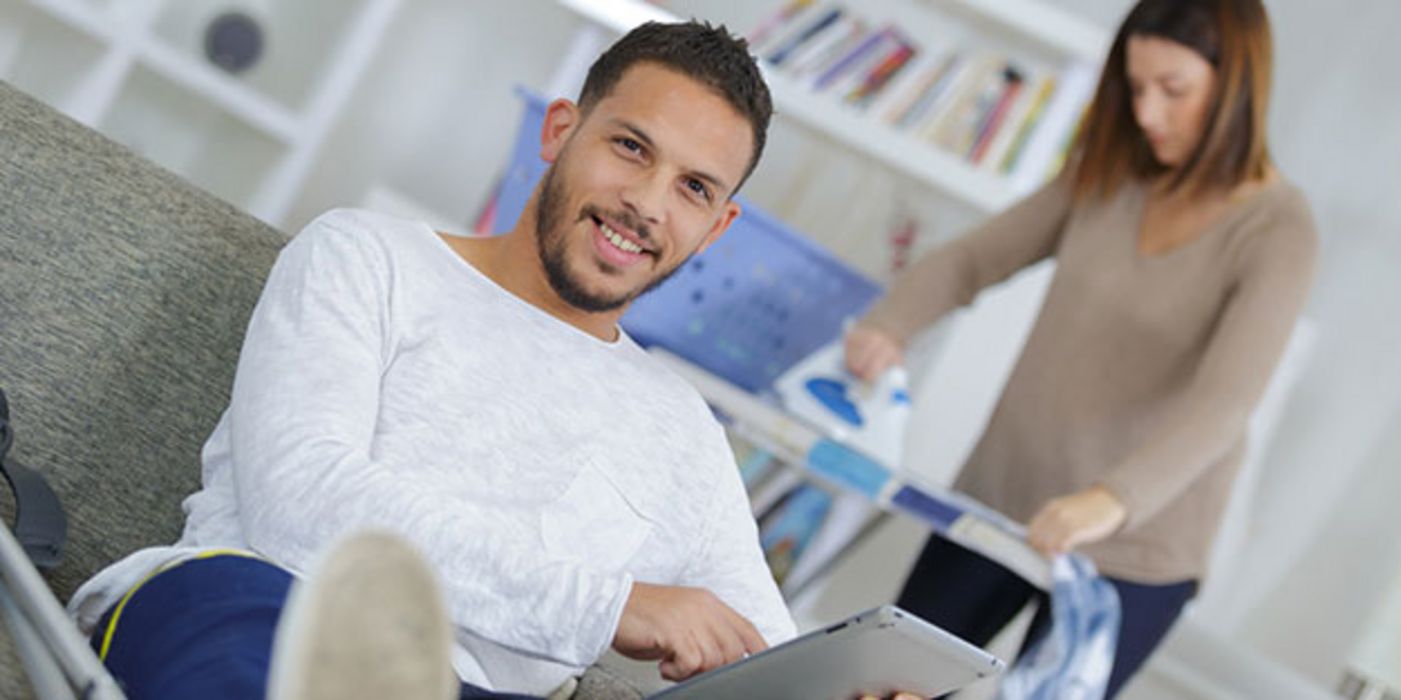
[(122, 32), (270, 98), (1040, 23), (86, 16), (299, 43), (914, 158), (619, 15), (47, 58), (253, 108), (164, 122), (1030, 32), (136, 70)]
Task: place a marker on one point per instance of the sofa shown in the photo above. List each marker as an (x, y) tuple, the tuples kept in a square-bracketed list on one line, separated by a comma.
[(124, 294)]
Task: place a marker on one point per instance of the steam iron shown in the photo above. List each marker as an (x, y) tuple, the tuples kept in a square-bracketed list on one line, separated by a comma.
[(868, 417)]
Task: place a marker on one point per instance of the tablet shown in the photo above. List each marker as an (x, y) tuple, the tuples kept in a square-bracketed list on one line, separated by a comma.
[(879, 651)]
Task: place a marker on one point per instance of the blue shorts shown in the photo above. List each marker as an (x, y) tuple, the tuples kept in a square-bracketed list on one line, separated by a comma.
[(202, 629)]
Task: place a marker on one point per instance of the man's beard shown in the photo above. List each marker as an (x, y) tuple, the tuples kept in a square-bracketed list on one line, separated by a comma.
[(551, 245)]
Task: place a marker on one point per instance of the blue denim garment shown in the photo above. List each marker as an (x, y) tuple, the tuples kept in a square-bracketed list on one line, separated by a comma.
[(1073, 660)]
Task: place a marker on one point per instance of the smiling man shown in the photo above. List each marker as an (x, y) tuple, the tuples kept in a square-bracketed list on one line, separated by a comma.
[(477, 398), (643, 173)]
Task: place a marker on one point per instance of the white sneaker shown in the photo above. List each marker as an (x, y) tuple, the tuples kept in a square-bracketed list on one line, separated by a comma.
[(368, 622)]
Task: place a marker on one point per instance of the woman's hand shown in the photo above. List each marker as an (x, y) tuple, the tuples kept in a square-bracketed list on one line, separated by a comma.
[(869, 352), (1080, 518)]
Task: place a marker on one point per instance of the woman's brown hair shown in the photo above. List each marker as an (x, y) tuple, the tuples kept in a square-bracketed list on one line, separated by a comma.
[(1232, 35)]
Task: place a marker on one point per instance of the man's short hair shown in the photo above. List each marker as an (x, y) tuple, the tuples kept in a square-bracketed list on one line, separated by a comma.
[(710, 55)]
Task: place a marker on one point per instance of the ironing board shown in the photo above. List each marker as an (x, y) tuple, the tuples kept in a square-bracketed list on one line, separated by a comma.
[(954, 516)]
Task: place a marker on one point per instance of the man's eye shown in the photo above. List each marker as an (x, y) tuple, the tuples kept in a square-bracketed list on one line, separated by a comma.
[(698, 187), (630, 144)]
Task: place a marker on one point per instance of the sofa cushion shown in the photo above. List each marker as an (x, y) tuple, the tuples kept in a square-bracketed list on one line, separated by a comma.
[(124, 293)]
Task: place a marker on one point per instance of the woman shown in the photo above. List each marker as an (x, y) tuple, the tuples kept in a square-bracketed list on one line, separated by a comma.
[(1183, 260)]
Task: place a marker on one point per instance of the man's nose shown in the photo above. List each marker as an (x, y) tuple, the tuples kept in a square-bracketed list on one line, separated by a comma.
[(645, 197)]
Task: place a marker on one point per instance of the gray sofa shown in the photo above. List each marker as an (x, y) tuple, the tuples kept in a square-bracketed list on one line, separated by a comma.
[(124, 293)]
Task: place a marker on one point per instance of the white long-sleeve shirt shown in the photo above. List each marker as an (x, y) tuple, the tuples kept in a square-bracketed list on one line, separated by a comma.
[(385, 382)]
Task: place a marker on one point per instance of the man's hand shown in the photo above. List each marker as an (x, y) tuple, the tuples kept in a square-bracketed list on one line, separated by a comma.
[(869, 352), (1080, 518), (688, 629)]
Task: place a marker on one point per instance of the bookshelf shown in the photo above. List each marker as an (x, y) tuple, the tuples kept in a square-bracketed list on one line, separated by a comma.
[(135, 70), (1031, 32)]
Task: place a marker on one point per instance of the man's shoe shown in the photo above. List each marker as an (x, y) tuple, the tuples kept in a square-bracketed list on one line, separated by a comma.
[(368, 622)]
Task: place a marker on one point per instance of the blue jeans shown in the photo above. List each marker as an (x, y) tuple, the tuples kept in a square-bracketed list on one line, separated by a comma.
[(974, 598), (203, 629)]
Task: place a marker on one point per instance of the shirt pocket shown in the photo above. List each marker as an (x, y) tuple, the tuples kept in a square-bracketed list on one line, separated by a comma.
[(594, 524)]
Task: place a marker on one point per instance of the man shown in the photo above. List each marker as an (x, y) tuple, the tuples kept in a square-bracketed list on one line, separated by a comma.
[(477, 398)]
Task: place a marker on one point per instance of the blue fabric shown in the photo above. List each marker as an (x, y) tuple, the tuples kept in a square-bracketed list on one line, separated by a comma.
[(1074, 659), (974, 598), (204, 629)]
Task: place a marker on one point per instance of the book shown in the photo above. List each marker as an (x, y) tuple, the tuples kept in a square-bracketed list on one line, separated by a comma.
[(1013, 80), (955, 109), (884, 70), (1047, 140), (934, 84), (791, 25), (1027, 123), (1031, 92), (961, 132), (853, 59), (954, 85), (786, 530), (856, 33), (834, 41), (793, 43), (862, 69), (847, 517), (774, 23), (902, 89)]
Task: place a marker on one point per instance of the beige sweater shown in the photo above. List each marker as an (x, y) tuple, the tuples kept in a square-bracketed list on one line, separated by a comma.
[(1140, 373)]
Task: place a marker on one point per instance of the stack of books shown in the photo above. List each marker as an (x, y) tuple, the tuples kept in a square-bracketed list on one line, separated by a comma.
[(991, 111)]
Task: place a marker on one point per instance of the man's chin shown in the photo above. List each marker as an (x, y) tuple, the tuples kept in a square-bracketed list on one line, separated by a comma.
[(598, 289), (593, 300)]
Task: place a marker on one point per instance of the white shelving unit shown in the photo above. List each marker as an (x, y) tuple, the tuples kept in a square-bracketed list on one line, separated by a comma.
[(133, 69), (1031, 28)]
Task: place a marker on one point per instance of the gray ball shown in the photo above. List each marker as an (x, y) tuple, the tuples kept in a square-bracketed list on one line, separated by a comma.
[(233, 41)]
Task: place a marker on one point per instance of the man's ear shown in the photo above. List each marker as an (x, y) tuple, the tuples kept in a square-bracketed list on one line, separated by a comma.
[(561, 118), (722, 224)]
